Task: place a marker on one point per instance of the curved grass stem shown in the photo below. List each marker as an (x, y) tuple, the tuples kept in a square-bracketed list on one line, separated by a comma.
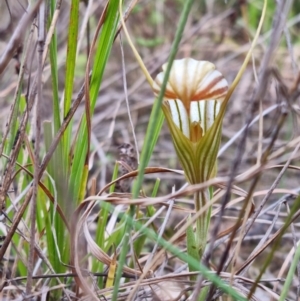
[(135, 52)]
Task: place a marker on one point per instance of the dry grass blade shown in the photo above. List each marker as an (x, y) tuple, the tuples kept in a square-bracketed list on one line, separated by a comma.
[(134, 173), (37, 129), (270, 240), (15, 224), (82, 281), (18, 36)]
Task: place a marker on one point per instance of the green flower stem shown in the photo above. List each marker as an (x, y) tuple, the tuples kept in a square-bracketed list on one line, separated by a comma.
[(202, 223)]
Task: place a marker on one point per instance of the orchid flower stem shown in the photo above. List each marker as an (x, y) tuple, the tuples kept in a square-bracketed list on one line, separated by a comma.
[(202, 223)]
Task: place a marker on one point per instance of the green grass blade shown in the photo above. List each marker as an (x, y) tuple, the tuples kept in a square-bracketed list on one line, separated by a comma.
[(54, 74), (102, 52), (152, 134), (192, 247), (58, 192), (14, 124), (153, 131), (60, 156), (69, 78), (290, 276), (71, 54)]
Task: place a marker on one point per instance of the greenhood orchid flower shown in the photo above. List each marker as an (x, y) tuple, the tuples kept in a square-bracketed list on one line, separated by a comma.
[(194, 108), (194, 112)]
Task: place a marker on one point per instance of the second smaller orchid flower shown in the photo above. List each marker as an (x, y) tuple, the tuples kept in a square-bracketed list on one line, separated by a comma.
[(194, 112)]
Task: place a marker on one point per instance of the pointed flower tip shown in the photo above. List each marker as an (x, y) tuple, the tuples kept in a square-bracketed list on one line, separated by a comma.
[(192, 80)]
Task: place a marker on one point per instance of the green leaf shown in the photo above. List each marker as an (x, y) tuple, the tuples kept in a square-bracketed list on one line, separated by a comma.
[(69, 79), (286, 287), (57, 187), (192, 248), (102, 52), (54, 73), (203, 293), (71, 54), (154, 127)]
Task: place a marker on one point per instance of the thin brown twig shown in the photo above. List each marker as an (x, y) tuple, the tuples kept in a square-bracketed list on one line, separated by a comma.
[(18, 36), (251, 191), (40, 50), (268, 195), (278, 26)]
